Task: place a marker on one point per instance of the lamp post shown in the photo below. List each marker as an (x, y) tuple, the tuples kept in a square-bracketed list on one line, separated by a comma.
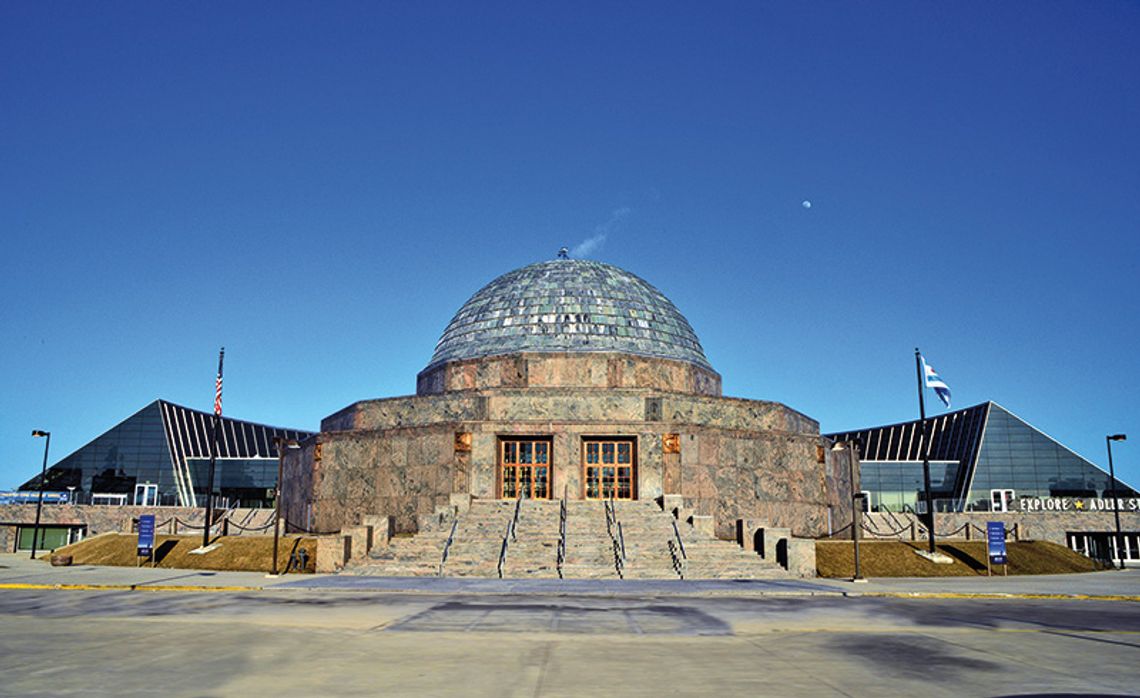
[(852, 447), (43, 479), (282, 445), (1112, 493)]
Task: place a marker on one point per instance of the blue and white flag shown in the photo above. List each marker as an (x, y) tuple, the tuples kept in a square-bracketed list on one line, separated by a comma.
[(935, 383)]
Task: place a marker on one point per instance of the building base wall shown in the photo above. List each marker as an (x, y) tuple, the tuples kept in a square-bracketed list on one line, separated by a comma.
[(728, 458)]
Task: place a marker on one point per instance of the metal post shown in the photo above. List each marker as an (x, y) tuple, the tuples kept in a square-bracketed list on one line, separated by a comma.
[(277, 501), (213, 451), (210, 483), (856, 506), (925, 450), (1112, 493), (43, 480), (282, 445)]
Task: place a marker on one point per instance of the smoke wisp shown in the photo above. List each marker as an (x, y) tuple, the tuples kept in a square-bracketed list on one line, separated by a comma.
[(595, 242)]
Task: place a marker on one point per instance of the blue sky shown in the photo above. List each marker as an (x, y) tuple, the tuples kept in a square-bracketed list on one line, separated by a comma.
[(318, 187)]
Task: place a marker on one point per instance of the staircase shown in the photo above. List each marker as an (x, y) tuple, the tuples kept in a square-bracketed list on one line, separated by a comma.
[(644, 536), (589, 548), (533, 552)]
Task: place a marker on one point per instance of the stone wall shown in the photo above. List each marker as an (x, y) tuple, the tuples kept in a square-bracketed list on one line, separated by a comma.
[(732, 458), (557, 404), (1050, 526), (787, 481), (401, 457), (105, 519), (568, 370)]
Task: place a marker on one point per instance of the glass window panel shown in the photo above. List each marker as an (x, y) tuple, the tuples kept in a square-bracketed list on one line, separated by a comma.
[(509, 490), (541, 483)]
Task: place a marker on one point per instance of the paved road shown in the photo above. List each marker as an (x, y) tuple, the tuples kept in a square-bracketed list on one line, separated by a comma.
[(299, 642), (19, 570)]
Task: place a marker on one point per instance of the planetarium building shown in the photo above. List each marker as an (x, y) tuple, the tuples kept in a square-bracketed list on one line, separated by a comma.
[(568, 380)]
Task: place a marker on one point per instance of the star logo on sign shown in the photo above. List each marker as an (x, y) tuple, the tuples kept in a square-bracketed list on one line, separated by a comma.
[(1079, 504)]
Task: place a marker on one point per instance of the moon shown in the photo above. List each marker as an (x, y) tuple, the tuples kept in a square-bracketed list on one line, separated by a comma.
[(806, 204)]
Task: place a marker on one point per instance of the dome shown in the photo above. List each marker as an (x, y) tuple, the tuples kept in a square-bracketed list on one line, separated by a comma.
[(569, 305)]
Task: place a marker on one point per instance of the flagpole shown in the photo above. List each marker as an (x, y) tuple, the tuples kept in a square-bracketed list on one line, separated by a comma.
[(213, 451), (925, 450)]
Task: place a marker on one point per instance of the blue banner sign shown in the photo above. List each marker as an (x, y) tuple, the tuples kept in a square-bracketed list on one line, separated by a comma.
[(32, 496), (146, 535), (995, 541)]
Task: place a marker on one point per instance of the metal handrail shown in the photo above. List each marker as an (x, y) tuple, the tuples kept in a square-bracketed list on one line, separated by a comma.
[(621, 540), (447, 546), (561, 560), (680, 543), (503, 554), (509, 535), (619, 548), (515, 518), (894, 519), (245, 519), (678, 563), (619, 565)]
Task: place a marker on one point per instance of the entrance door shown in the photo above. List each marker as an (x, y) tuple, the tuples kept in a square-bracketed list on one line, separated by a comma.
[(146, 495), (524, 468), (610, 468), (1001, 500)]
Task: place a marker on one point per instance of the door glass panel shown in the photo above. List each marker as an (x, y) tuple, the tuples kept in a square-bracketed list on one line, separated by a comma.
[(624, 490), (540, 482), (609, 469), (524, 468), (509, 490), (593, 487)]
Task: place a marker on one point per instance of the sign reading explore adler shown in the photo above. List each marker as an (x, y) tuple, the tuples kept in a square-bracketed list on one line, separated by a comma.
[(1033, 504), (146, 535), (995, 542)]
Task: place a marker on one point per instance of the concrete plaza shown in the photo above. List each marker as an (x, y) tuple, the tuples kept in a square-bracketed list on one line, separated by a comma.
[(343, 636)]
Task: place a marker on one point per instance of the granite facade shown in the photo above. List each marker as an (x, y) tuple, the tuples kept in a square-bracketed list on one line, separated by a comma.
[(403, 457), (568, 370)]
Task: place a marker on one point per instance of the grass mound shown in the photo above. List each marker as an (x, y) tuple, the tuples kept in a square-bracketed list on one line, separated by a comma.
[(234, 553), (879, 558)]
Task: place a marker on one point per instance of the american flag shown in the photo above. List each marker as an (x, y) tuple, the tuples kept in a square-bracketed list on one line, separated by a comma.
[(218, 385)]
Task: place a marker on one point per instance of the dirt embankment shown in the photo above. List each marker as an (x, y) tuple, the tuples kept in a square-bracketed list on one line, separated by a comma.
[(897, 559), (233, 553)]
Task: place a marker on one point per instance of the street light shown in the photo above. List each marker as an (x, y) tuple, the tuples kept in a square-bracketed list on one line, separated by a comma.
[(43, 479), (282, 445), (852, 446), (1112, 492)]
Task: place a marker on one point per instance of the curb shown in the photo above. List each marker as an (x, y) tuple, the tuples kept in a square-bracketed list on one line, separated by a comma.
[(126, 587), (775, 594)]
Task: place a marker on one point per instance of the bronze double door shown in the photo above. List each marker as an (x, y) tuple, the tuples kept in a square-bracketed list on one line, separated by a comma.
[(609, 468), (524, 468)]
